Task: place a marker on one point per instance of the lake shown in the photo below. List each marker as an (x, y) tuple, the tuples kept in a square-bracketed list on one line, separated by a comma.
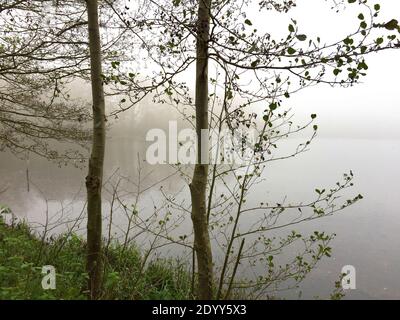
[(367, 233)]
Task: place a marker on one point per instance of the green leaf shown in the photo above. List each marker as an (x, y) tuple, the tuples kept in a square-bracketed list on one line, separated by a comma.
[(348, 41), (248, 22), (255, 63), (291, 50), (301, 37), (363, 49), (273, 106), (363, 25), (362, 65), (336, 71), (114, 64), (392, 24)]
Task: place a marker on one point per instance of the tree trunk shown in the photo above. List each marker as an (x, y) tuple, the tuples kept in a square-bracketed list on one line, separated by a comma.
[(95, 175), (198, 186)]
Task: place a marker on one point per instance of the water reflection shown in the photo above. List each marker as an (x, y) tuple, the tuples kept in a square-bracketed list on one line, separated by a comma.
[(367, 233)]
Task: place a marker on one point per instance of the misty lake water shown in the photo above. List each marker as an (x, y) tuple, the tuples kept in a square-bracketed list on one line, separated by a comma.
[(367, 233)]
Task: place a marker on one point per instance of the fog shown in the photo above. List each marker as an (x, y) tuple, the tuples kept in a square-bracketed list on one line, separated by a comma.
[(358, 130)]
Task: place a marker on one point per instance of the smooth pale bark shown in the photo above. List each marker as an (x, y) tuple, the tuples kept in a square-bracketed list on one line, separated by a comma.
[(198, 186), (95, 175)]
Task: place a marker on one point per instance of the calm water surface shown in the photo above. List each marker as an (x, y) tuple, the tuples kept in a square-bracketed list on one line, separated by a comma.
[(368, 234)]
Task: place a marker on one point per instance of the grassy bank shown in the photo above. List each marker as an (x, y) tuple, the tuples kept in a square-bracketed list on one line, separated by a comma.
[(22, 257)]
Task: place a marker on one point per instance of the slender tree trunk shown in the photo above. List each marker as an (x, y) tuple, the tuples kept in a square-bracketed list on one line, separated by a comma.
[(198, 186), (95, 175)]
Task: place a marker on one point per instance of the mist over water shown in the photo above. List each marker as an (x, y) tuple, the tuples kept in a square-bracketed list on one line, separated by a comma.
[(367, 232), (358, 131)]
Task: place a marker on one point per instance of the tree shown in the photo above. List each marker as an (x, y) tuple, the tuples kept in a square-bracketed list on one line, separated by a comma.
[(178, 33), (198, 186), (44, 47), (43, 52), (94, 180), (277, 68), (40, 53)]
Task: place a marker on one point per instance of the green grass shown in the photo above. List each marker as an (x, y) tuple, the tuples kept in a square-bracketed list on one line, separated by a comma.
[(22, 257)]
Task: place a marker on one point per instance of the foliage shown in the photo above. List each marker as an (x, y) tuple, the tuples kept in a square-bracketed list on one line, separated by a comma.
[(22, 257)]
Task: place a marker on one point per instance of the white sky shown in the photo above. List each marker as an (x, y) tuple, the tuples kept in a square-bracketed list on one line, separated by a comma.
[(370, 109)]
